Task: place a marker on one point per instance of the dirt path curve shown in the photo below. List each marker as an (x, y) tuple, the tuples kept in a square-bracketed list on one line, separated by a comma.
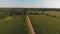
[(30, 25)]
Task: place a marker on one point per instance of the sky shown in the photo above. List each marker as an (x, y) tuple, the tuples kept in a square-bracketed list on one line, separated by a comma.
[(30, 3)]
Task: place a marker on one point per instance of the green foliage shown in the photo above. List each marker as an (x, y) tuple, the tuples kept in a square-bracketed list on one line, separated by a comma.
[(42, 12), (11, 25), (12, 21), (45, 24), (4, 12)]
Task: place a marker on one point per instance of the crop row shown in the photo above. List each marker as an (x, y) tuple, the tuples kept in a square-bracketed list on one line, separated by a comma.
[(13, 25), (45, 24)]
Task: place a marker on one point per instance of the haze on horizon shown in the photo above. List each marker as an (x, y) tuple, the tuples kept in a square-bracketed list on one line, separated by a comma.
[(30, 3)]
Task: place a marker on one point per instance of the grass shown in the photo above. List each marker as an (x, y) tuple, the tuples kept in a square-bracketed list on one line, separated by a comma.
[(44, 24), (57, 13), (29, 31), (13, 25)]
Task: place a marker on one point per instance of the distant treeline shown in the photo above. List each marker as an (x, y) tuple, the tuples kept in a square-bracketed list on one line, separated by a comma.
[(4, 12), (44, 9), (35, 9)]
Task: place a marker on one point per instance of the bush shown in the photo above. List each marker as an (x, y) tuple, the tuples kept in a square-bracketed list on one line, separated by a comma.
[(36, 13), (42, 12), (53, 16), (46, 14)]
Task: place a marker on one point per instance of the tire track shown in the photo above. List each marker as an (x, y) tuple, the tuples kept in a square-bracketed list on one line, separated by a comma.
[(30, 25)]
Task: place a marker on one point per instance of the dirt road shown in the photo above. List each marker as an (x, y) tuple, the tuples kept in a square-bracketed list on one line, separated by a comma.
[(30, 25)]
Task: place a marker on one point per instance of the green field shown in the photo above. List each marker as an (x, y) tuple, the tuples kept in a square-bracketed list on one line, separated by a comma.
[(57, 13), (16, 21), (13, 25), (44, 24)]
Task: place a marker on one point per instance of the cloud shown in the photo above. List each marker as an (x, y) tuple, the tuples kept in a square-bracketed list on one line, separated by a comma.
[(51, 4), (30, 3), (19, 4)]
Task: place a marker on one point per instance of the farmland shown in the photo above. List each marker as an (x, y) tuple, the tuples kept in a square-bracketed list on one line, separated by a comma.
[(11, 25), (45, 24), (13, 22), (29, 21)]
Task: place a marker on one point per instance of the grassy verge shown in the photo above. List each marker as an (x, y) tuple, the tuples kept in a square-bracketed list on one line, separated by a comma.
[(29, 32)]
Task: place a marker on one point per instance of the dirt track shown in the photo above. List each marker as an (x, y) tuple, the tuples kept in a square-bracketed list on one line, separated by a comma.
[(30, 25)]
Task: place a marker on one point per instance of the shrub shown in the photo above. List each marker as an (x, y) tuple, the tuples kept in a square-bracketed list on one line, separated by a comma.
[(42, 12), (53, 16), (46, 14)]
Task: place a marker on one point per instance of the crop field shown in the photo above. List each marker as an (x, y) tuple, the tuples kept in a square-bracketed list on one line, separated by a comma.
[(57, 13), (46, 24), (13, 25), (29, 21)]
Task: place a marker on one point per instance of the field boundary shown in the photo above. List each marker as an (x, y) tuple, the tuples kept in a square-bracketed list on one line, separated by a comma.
[(30, 25)]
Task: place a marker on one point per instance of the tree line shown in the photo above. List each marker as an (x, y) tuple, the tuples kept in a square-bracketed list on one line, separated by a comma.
[(4, 12)]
